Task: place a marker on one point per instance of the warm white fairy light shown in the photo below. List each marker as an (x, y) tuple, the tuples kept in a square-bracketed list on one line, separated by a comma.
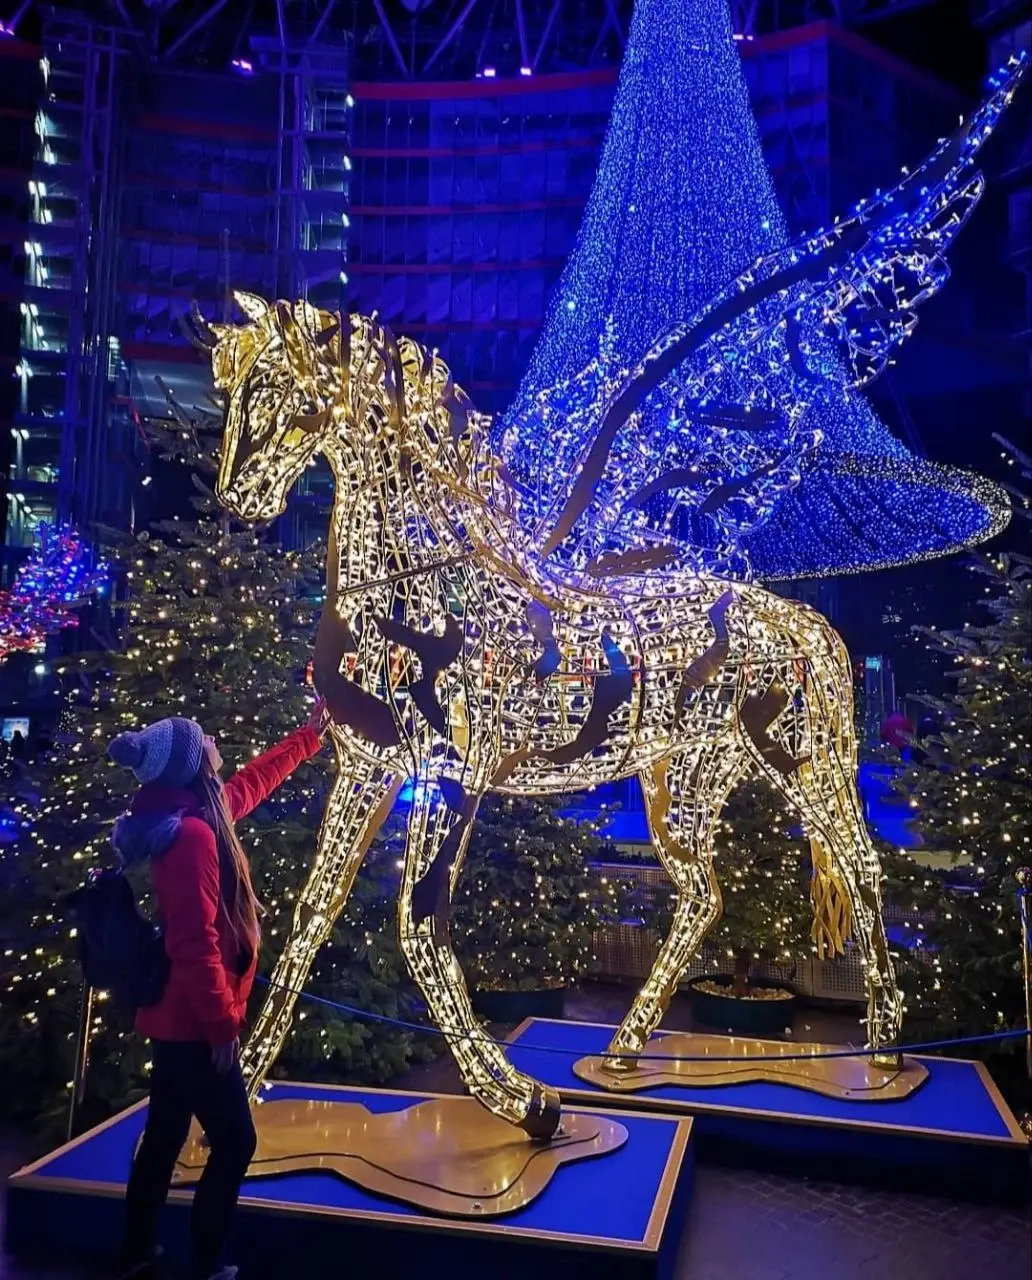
[(452, 652)]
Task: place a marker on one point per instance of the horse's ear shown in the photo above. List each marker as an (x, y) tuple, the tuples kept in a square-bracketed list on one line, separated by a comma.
[(201, 332), (251, 305)]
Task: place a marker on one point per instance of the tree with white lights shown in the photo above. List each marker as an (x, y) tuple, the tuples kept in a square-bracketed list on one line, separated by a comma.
[(971, 794)]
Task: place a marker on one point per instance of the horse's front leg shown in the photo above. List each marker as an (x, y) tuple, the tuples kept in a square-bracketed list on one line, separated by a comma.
[(439, 829), (683, 799), (360, 800)]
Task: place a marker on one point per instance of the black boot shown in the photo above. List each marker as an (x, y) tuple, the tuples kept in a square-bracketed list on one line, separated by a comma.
[(146, 1268)]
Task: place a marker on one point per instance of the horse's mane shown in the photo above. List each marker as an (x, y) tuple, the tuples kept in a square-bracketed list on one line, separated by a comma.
[(443, 437)]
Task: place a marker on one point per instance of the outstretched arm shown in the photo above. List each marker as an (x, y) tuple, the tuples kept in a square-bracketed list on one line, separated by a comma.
[(257, 780)]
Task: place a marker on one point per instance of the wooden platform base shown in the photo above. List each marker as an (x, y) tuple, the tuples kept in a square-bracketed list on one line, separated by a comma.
[(953, 1135), (445, 1156), (697, 1059), (617, 1217)]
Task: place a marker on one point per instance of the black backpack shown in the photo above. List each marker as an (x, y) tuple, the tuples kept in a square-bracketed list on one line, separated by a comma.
[(120, 950)]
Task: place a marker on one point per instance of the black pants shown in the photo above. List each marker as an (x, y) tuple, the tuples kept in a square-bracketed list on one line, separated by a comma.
[(185, 1084)]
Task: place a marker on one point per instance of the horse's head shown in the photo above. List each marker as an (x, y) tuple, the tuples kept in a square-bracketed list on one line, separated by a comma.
[(281, 377)]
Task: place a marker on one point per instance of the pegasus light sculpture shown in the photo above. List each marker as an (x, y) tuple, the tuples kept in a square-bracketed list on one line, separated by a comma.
[(476, 641)]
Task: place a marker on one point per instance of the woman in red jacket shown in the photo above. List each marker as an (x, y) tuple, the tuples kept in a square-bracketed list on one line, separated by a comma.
[(181, 820)]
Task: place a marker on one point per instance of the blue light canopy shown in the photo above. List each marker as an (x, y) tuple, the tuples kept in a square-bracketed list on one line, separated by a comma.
[(693, 399)]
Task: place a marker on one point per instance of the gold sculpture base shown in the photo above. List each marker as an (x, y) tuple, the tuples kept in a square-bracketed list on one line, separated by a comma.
[(853, 1079), (445, 1155)]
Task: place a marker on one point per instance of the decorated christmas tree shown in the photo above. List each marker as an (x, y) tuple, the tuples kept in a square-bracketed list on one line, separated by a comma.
[(527, 904), (763, 865), (970, 791), (59, 575)]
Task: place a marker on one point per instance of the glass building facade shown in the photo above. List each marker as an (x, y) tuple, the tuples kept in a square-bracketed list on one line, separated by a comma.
[(467, 196)]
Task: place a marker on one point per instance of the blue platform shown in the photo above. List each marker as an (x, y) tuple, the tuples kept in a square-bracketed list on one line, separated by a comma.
[(954, 1135), (620, 1216)]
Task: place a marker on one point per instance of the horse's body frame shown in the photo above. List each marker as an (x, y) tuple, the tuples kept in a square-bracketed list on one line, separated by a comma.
[(449, 651)]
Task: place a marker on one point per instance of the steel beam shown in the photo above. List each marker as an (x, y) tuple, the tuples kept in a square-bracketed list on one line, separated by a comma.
[(125, 16), (449, 35), (556, 6), (22, 10), (324, 17), (613, 19), (388, 31), (195, 27), (521, 26)]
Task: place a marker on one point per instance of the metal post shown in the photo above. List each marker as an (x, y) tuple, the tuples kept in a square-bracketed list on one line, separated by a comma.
[(1024, 878), (82, 1057)]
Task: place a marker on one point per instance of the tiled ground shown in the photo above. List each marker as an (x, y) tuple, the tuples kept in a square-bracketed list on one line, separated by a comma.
[(749, 1226)]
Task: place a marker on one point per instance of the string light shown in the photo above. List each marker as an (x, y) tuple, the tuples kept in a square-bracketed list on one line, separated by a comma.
[(683, 257), (59, 575), (970, 790)]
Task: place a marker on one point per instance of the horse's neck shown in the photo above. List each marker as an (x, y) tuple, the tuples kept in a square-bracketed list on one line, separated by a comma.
[(382, 526), (420, 499)]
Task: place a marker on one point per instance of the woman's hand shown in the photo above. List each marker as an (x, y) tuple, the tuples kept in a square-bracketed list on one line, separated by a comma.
[(319, 720)]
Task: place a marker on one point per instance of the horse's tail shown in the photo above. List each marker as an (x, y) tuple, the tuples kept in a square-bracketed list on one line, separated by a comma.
[(832, 914)]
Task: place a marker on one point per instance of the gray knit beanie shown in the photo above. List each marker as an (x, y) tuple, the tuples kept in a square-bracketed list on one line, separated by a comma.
[(168, 751)]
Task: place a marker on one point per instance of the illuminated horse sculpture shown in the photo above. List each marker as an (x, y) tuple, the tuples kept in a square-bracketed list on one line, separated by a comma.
[(453, 650), (447, 652)]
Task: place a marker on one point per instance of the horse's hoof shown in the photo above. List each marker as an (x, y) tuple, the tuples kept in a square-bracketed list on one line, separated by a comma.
[(541, 1122), (622, 1065), (887, 1061)]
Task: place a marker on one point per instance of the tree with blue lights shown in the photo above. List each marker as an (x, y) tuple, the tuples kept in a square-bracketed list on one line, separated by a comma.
[(682, 200), (683, 209)]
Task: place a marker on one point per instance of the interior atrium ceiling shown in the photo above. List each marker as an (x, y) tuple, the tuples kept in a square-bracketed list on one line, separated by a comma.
[(418, 39)]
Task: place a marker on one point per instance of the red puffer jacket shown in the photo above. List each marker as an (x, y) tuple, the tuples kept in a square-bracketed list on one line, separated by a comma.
[(206, 998)]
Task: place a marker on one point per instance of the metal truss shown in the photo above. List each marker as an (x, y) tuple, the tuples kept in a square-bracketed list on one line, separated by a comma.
[(418, 39)]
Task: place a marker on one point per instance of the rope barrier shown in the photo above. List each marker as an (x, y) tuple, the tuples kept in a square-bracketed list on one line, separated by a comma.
[(649, 1057)]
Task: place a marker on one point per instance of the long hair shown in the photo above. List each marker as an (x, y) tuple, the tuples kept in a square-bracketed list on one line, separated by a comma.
[(236, 891)]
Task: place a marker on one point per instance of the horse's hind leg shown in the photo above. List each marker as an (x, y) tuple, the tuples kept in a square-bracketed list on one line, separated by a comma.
[(359, 802), (684, 796), (809, 753)]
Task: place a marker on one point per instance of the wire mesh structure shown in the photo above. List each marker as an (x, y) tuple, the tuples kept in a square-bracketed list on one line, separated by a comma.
[(452, 652)]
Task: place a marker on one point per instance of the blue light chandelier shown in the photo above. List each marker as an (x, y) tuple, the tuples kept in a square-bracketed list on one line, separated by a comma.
[(694, 398)]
